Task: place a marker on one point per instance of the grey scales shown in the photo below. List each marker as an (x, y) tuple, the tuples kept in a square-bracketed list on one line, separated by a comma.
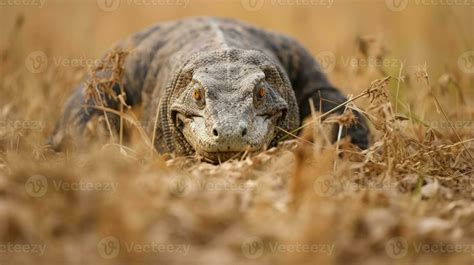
[(215, 87)]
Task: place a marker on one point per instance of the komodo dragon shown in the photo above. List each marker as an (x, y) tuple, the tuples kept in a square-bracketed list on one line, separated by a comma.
[(215, 87)]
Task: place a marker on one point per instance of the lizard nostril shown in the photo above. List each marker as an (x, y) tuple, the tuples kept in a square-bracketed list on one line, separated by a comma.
[(244, 132), (214, 131)]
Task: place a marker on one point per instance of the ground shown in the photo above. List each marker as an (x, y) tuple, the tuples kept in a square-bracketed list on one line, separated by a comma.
[(406, 200)]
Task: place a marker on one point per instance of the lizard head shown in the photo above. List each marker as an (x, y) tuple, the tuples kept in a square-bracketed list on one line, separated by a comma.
[(229, 102)]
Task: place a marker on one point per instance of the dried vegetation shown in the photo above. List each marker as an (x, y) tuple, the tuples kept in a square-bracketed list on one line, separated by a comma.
[(399, 202)]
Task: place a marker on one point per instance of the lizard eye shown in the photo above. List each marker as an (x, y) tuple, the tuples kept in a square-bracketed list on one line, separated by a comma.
[(197, 94), (261, 92)]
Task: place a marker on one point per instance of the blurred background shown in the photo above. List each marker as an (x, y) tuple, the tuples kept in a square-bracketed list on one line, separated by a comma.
[(46, 47), (345, 35)]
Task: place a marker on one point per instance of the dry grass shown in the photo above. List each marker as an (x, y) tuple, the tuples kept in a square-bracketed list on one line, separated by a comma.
[(406, 200)]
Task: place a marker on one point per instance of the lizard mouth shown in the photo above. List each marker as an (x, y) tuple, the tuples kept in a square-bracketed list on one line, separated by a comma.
[(193, 130), (217, 157)]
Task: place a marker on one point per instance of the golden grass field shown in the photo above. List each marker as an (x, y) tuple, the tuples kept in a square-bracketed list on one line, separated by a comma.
[(409, 199)]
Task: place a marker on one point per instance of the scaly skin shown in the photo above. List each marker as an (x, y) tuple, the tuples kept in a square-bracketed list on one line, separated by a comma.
[(216, 87)]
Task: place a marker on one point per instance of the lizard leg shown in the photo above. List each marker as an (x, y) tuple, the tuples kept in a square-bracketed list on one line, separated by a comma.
[(310, 83), (328, 98), (77, 112)]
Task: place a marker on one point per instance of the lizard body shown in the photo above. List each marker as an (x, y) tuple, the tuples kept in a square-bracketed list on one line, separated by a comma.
[(216, 87)]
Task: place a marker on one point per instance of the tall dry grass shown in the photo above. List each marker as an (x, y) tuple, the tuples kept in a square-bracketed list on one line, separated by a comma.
[(406, 200)]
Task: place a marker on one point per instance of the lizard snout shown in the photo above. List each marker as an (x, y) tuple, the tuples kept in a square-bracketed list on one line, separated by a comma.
[(223, 132), (230, 136)]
